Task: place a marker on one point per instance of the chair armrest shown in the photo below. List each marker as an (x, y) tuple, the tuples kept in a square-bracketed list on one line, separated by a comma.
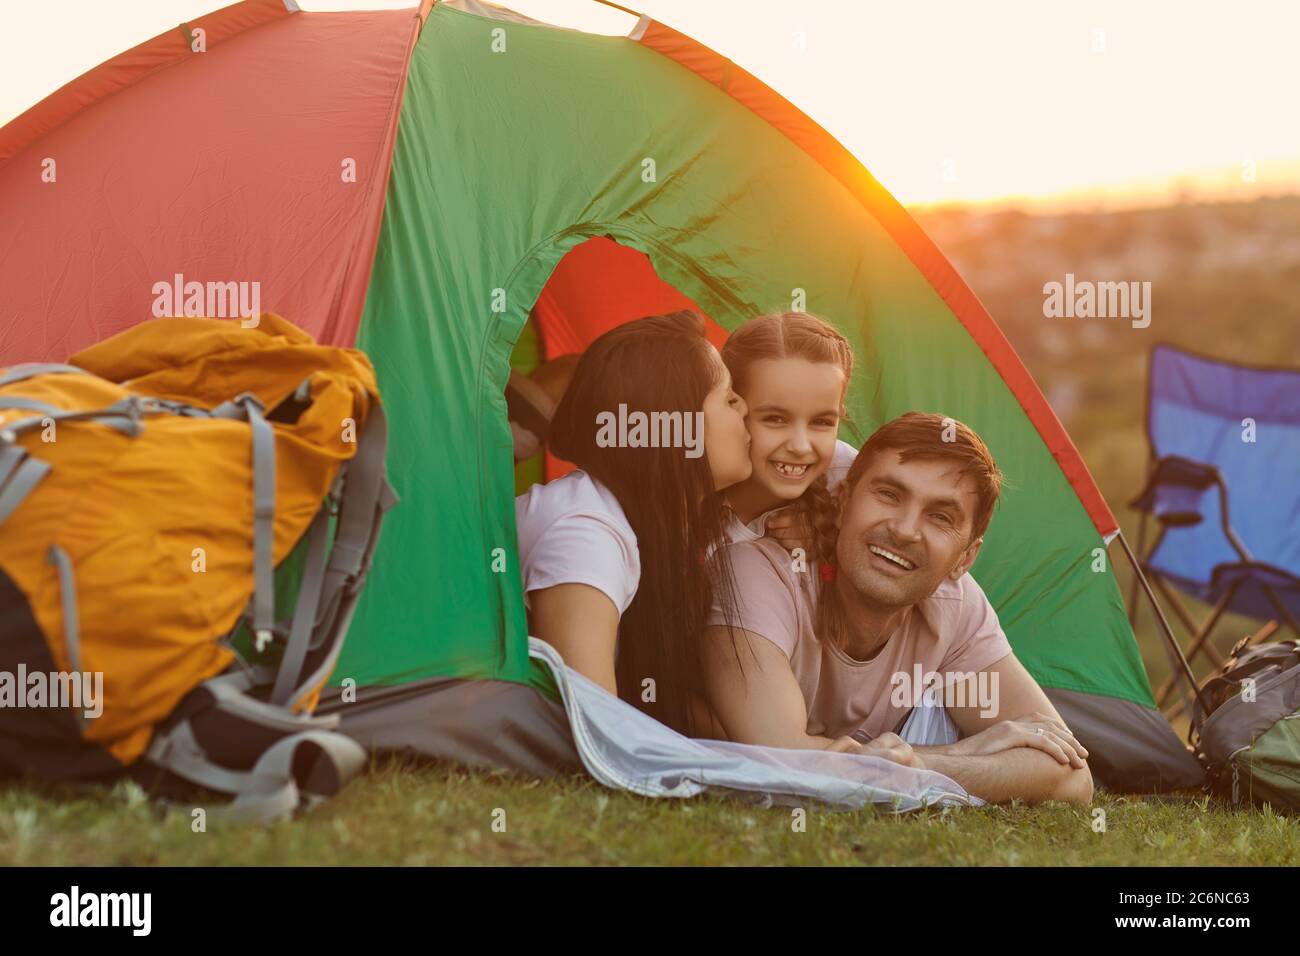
[(1175, 491)]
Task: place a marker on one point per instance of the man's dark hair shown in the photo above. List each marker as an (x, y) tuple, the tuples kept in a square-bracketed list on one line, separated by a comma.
[(925, 436)]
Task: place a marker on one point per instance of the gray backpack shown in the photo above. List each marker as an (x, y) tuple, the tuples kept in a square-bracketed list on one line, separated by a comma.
[(1250, 740)]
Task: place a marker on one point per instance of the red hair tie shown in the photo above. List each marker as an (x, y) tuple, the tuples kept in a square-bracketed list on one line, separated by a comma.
[(828, 572)]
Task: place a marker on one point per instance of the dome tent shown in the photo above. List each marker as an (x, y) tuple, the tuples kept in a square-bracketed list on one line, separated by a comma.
[(407, 182)]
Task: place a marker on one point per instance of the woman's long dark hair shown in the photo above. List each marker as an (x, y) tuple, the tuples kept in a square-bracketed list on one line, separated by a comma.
[(660, 363)]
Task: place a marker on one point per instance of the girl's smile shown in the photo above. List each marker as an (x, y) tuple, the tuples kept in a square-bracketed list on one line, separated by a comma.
[(790, 471), (794, 416)]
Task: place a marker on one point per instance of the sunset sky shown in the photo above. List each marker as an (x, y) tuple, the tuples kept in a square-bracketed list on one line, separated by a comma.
[(1104, 103)]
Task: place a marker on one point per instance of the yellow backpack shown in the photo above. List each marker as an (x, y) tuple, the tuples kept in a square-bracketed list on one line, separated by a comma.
[(151, 492)]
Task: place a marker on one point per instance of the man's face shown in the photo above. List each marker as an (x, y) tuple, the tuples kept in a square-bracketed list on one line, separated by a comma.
[(905, 528)]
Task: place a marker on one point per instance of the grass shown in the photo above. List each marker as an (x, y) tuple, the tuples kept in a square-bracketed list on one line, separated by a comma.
[(401, 813)]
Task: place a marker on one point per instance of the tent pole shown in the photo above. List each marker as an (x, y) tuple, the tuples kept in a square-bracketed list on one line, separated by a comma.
[(1133, 588), (1164, 623), (608, 3)]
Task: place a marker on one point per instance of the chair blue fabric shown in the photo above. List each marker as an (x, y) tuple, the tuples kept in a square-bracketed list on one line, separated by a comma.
[(1201, 410)]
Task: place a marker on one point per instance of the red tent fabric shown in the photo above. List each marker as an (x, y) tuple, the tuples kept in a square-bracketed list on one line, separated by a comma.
[(208, 188), (597, 286)]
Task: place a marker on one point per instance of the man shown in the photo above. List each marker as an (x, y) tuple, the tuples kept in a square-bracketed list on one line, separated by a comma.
[(826, 654)]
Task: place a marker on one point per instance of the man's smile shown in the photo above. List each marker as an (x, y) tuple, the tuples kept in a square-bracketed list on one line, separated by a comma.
[(891, 559)]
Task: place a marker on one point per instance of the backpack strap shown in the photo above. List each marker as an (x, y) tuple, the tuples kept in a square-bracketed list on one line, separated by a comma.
[(273, 790), (367, 495), (230, 692), (301, 769), (366, 492), (29, 404), (263, 522), (311, 761), (71, 621), (26, 370), (123, 416), (249, 407), (19, 475), (328, 593), (68, 595), (304, 613)]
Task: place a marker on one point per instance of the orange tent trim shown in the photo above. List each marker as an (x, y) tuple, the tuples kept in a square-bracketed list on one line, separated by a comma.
[(801, 130)]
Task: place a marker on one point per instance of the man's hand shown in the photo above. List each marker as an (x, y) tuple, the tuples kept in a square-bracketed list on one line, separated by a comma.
[(1045, 732), (1009, 765), (790, 529), (889, 746)]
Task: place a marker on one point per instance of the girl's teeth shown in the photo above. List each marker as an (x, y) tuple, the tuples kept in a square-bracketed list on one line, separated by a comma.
[(794, 471)]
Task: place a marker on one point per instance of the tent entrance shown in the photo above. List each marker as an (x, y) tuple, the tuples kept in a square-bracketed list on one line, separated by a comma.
[(598, 285)]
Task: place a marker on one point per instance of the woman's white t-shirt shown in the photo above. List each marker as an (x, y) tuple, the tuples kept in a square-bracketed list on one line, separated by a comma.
[(573, 531), (841, 461)]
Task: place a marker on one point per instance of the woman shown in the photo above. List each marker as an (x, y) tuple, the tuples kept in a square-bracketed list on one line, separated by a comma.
[(612, 555), (793, 371)]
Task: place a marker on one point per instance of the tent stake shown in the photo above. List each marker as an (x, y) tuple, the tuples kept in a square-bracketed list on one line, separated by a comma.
[(1164, 624)]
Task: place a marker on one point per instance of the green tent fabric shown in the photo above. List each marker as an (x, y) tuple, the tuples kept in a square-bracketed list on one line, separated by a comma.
[(503, 145), (534, 190), (505, 161)]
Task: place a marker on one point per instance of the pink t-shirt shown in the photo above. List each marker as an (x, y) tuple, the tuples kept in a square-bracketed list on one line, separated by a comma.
[(953, 631)]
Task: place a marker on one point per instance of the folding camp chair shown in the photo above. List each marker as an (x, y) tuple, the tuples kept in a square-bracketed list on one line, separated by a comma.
[(1223, 491)]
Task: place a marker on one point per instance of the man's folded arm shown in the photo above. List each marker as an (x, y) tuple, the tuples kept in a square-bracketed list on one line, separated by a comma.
[(753, 691), (1000, 763), (1021, 773)]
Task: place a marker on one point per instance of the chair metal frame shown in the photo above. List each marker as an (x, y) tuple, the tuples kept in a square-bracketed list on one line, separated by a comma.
[(1200, 476)]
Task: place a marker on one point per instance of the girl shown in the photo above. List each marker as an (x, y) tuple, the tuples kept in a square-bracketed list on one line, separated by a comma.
[(612, 555), (793, 370)]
